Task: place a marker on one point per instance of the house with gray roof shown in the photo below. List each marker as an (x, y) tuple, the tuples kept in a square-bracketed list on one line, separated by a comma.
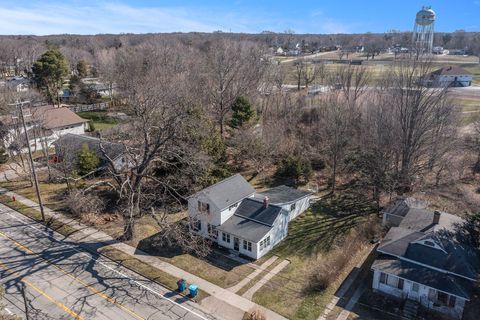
[(422, 258), (232, 214), (70, 144)]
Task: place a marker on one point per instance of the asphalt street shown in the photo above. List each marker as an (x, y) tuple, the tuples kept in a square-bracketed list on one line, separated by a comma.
[(47, 277)]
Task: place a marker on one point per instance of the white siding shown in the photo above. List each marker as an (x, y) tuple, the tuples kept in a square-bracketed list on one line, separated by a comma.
[(277, 234), (422, 296)]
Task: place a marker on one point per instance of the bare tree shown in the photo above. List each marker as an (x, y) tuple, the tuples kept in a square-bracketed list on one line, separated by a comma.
[(156, 90), (232, 69), (422, 117)]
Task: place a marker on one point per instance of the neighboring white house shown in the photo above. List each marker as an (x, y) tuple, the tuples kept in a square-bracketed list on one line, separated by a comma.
[(44, 124), (70, 144), (232, 214), (17, 84), (421, 259), (451, 76)]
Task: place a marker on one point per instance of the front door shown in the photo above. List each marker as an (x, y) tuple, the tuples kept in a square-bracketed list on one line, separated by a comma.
[(414, 291), (236, 244)]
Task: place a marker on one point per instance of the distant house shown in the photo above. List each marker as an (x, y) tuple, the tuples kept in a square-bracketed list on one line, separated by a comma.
[(422, 260), (17, 84), (451, 76), (45, 124), (232, 214), (280, 51), (72, 143)]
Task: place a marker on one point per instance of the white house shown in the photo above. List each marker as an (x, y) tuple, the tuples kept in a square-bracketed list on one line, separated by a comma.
[(232, 214), (421, 259), (44, 124), (451, 76)]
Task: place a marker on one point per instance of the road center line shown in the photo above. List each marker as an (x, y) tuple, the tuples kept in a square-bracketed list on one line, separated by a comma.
[(28, 283), (103, 264), (71, 276)]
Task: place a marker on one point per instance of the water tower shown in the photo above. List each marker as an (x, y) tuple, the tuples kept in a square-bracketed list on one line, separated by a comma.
[(422, 40)]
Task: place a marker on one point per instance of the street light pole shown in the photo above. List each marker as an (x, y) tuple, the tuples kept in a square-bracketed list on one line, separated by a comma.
[(34, 173)]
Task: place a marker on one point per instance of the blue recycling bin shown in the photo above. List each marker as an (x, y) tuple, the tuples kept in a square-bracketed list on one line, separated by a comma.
[(193, 290), (182, 285)]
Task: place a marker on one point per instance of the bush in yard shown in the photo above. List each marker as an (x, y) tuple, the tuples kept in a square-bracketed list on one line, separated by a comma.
[(84, 206), (295, 167), (242, 112), (3, 156), (87, 160)]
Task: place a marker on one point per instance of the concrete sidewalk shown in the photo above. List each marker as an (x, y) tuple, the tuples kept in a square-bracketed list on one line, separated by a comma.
[(88, 235)]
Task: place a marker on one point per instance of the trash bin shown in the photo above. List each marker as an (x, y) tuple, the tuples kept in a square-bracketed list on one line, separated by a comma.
[(182, 285), (193, 290)]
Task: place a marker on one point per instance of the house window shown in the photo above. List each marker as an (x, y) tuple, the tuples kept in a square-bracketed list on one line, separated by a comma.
[(383, 278), (212, 231), (264, 243), (292, 206), (226, 237), (442, 298), (452, 301), (247, 245), (415, 287), (203, 207), (197, 225), (400, 284)]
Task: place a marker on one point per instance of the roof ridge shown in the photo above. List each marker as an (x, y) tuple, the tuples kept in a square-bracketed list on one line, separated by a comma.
[(221, 181)]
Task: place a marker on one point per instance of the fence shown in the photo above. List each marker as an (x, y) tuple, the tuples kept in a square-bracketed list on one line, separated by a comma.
[(89, 107)]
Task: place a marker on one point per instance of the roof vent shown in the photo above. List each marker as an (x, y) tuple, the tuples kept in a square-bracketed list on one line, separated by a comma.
[(436, 217), (265, 202)]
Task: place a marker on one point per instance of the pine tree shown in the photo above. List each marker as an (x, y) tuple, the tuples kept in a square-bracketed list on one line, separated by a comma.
[(87, 160), (242, 112)]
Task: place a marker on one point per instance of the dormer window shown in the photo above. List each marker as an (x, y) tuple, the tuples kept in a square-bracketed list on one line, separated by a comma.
[(203, 207)]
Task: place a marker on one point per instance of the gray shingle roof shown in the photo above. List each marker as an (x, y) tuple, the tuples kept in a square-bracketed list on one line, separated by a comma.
[(228, 191), (76, 141), (431, 278), (282, 194), (254, 210), (401, 206), (245, 228), (418, 225)]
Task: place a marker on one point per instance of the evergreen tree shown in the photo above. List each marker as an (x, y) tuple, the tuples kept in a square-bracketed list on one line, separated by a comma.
[(49, 72), (82, 69), (3, 156), (87, 160), (242, 112)]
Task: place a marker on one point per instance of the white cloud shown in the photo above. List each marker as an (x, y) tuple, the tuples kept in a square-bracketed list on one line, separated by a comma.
[(41, 19)]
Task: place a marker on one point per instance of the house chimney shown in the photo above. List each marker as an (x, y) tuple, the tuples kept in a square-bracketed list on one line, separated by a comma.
[(436, 217), (265, 202)]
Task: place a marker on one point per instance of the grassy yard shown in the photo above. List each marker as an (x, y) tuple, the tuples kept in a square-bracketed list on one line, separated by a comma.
[(52, 193), (311, 238), (99, 119), (475, 70)]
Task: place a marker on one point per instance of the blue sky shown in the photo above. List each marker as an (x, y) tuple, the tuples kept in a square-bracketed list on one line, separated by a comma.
[(116, 16)]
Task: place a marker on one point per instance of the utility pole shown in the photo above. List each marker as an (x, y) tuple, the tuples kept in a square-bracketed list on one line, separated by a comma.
[(34, 173)]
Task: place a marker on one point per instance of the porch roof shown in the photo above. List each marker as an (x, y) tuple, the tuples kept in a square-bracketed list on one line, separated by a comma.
[(244, 228), (450, 284)]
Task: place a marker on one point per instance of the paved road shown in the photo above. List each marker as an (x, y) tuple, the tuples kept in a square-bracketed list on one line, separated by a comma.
[(55, 279)]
